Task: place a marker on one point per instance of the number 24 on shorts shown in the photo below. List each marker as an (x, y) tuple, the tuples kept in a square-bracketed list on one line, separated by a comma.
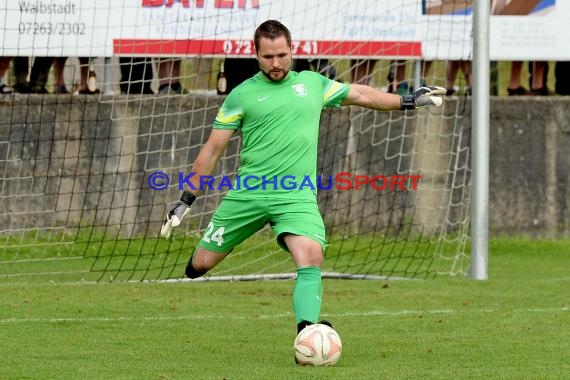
[(217, 236)]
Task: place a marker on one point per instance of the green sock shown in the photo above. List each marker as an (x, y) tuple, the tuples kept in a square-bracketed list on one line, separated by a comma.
[(307, 295)]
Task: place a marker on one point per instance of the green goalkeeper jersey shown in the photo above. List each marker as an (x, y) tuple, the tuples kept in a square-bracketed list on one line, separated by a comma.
[(279, 123)]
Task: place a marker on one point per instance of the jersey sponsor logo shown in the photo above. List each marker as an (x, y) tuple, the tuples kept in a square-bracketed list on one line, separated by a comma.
[(262, 98), (300, 90)]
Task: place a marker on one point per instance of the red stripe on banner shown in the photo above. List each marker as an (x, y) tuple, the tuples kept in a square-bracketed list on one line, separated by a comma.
[(364, 49)]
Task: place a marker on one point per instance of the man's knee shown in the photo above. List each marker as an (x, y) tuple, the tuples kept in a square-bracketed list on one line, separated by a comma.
[(314, 258), (305, 251)]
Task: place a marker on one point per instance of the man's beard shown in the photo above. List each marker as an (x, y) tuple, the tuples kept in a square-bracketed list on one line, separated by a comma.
[(268, 75)]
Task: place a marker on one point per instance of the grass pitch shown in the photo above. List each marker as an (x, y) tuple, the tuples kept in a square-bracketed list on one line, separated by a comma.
[(514, 326)]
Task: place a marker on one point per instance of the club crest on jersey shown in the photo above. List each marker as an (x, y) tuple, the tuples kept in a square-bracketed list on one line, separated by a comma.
[(300, 90)]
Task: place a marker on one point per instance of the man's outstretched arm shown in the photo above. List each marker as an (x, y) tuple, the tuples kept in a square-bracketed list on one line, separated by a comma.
[(369, 97), (204, 165), (208, 157)]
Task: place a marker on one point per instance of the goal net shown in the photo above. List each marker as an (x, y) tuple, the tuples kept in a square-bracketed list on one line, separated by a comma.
[(94, 150)]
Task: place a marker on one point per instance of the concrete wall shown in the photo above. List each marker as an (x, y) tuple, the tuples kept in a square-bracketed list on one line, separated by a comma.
[(530, 158), (70, 161)]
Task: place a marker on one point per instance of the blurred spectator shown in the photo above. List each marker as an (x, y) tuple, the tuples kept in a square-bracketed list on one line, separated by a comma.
[(88, 81), (537, 81), (453, 68), (397, 83), (426, 68), (201, 73), (322, 66), (239, 69), (4, 64), (136, 75), (562, 75), (514, 86), (87, 78), (39, 76), (58, 69), (538, 85), (402, 86), (494, 77), (538, 78), (531, 69), (168, 71), (361, 70), (21, 70)]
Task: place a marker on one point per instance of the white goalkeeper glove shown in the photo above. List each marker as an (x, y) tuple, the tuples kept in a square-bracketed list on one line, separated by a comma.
[(175, 216), (423, 96)]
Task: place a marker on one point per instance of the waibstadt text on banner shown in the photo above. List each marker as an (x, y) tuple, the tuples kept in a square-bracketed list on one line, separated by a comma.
[(339, 181)]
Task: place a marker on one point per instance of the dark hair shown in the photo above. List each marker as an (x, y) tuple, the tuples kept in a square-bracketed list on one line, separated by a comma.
[(271, 29)]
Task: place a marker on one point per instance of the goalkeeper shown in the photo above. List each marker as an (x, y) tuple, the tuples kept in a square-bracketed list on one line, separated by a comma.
[(277, 112)]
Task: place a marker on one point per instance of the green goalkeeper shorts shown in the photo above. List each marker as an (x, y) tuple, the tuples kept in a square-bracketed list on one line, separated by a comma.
[(235, 220)]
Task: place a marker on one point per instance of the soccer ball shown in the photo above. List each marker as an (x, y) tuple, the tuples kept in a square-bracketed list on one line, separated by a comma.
[(318, 345)]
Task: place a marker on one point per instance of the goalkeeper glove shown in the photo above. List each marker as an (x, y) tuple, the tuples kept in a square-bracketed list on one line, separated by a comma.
[(175, 216), (423, 96)]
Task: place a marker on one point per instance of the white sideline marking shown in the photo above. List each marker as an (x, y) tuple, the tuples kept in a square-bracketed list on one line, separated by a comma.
[(373, 313), (46, 259), (41, 274)]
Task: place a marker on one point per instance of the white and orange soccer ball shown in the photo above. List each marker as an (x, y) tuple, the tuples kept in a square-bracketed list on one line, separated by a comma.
[(318, 345)]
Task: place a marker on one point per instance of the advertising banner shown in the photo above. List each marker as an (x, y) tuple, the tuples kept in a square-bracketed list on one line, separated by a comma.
[(428, 29)]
